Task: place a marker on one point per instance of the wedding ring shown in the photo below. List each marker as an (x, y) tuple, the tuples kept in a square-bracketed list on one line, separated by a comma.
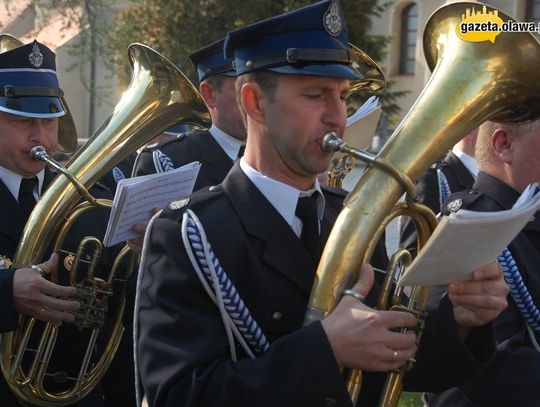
[(42, 310), (38, 268), (395, 355), (354, 294)]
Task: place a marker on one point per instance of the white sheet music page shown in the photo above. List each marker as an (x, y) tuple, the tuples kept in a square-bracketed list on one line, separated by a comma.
[(465, 240), (136, 197)]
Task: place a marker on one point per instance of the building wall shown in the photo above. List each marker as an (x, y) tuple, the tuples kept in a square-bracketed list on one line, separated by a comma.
[(390, 25)]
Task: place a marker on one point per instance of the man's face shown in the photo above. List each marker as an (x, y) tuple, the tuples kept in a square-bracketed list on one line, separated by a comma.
[(526, 159), (18, 135), (304, 109), (227, 111)]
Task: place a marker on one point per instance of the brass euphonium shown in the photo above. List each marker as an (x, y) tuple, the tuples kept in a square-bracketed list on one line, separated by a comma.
[(158, 97), (471, 83)]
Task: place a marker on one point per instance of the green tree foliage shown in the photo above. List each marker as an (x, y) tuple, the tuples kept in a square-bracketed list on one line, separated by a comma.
[(178, 27)]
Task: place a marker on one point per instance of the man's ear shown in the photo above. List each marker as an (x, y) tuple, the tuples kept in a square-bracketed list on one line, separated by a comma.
[(208, 95), (501, 142), (252, 101)]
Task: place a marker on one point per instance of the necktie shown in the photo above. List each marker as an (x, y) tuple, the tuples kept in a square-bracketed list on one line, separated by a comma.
[(306, 210), (26, 194), (241, 152)]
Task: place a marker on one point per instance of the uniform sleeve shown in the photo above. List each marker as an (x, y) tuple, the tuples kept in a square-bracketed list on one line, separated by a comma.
[(183, 353), (8, 316)]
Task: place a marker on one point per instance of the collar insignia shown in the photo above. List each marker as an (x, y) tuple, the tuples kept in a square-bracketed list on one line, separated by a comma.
[(332, 20), (5, 262), (36, 57), (454, 205), (174, 205)]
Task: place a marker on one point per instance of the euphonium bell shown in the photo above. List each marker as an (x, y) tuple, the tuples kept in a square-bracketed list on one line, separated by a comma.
[(471, 83), (158, 97)]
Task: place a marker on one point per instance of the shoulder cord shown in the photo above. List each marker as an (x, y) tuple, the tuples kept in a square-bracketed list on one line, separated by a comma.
[(162, 161), (237, 319), (519, 292), (444, 188)]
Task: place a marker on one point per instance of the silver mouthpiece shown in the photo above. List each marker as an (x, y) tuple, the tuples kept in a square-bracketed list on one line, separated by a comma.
[(331, 142), (38, 153)]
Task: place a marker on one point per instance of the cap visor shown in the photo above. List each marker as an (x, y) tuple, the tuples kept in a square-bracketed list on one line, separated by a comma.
[(34, 106)]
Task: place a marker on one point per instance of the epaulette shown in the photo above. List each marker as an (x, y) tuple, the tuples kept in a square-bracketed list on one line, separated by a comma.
[(460, 200), (201, 197)]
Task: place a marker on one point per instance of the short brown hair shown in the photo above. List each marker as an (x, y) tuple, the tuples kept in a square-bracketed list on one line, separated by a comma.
[(267, 81)]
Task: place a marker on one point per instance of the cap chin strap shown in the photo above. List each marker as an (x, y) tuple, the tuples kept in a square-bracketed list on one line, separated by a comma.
[(300, 56), (11, 91)]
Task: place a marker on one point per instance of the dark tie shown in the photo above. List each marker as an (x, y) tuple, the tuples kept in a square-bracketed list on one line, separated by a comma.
[(306, 210), (26, 194), (241, 152)]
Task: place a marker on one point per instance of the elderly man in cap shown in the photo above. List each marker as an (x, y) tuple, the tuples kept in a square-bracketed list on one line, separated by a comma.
[(228, 330), (33, 113), (217, 148)]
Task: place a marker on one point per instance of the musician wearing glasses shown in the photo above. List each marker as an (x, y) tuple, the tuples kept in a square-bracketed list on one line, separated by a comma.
[(508, 158), (227, 273), (33, 113)]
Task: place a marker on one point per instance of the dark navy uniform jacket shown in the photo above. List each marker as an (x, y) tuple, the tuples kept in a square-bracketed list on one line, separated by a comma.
[(427, 191), (183, 352), (513, 377), (13, 220), (195, 146)]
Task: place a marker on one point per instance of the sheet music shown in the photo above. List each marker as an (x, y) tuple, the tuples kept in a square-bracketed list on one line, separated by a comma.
[(136, 197), (465, 240)]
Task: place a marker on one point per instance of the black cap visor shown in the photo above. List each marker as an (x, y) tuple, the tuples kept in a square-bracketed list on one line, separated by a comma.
[(41, 107)]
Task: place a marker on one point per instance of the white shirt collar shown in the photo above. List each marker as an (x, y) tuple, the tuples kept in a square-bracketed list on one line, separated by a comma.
[(229, 144), (468, 161), (12, 181), (282, 196)]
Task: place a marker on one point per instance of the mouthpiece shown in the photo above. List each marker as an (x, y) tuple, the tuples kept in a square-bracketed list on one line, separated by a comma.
[(39, 153), (331, 142)]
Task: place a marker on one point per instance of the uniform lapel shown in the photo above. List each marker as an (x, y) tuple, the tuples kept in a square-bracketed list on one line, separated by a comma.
[(461, 174), (283, 250), (213, 155)]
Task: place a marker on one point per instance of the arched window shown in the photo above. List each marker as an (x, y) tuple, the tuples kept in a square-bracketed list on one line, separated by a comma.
[(409, 29), (533, 10)]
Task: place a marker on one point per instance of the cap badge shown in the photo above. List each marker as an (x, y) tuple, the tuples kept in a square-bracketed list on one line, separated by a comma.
[(332, 19), (454, 205), (36, 57)]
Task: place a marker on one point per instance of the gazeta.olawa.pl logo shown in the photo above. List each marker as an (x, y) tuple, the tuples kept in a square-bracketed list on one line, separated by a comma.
[(479, 26)]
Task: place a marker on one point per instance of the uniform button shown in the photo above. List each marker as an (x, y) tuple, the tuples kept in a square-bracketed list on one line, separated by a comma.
[(329, 402), (276, 316), (213, 188)]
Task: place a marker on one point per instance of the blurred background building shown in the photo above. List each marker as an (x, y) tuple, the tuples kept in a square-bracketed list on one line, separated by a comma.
[(92, 89)]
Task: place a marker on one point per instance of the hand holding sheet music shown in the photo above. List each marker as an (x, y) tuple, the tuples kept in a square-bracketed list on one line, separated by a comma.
[(465, 240)]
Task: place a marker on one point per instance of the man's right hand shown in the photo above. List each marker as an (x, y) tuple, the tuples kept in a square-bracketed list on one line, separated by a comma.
[(368, 339), (38, 297)]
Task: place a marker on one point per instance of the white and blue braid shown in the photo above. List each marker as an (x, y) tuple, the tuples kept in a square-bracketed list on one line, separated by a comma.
[(519, 292), (162, 161), (444, 188), (234, 313)]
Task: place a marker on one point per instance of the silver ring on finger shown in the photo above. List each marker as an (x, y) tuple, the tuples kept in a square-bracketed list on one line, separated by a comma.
[(395, 356), (38, 268), (43, 309), (354, 294)]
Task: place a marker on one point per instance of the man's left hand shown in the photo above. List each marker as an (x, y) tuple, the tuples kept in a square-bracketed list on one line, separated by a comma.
[(480, 299)]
